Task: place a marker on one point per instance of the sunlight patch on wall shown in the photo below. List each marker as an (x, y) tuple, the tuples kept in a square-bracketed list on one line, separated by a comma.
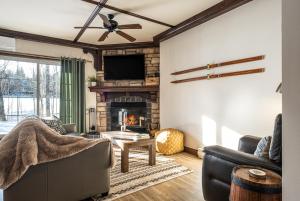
[(230, 138), (209, 131)]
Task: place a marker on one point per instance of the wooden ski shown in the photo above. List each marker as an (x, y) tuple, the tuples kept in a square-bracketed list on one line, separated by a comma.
[(218, 65), (214, 76)]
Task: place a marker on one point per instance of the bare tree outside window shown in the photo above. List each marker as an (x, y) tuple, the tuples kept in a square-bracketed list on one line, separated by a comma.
[(3, 83), (27, 88)]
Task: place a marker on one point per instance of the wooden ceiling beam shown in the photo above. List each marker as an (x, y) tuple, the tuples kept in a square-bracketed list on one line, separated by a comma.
[(127, 12), (45, 39), (202, 17), (90, 19), (69, 43)]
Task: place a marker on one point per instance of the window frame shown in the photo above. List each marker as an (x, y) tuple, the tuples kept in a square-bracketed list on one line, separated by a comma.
[(38, 65)]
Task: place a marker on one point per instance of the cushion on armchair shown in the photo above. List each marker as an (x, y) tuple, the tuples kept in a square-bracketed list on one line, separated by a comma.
[(263, 147), (275, 149)]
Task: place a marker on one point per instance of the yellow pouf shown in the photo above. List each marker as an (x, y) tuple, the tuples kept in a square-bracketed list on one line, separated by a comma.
[(169, 141)]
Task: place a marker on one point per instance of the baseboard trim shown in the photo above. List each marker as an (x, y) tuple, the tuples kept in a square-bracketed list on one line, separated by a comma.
[(191, 151)]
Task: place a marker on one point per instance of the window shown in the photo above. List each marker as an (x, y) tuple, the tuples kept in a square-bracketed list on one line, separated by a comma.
[(27, 88)]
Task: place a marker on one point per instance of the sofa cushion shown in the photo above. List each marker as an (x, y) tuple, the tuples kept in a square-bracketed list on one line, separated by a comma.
[(263, 147), (276, 144)]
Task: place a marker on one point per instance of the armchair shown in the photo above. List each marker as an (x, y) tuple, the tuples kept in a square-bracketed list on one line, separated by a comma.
[(219, 162)]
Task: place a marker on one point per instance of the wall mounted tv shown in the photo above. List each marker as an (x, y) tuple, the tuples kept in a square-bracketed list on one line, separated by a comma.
[(124, 67)]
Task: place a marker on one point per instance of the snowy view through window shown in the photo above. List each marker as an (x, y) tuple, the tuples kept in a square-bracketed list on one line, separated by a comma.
[(27, 89)]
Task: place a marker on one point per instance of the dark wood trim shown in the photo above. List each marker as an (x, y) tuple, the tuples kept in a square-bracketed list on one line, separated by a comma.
[(125, 89), (128, 46), (222, 64), (45, 39), (97, 55), (28, 56), (191, 151), (69, 43), (103, 91), (222, 75), (128, 13), (90, 19), (202, 17)]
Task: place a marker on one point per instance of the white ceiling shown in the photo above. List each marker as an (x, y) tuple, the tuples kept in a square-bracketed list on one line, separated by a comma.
[(56, 18)]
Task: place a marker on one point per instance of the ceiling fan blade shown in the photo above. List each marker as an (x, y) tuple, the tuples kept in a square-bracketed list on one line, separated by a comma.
[(104, 36), (90, 27), (130, 26), (125, 35), (104, 19)]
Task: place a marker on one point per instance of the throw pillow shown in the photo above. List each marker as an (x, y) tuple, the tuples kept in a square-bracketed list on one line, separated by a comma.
[(263, 147), (276, 144), (56, 124)]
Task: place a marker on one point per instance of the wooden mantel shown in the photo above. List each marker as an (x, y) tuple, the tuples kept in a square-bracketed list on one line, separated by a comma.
[(103, 90)]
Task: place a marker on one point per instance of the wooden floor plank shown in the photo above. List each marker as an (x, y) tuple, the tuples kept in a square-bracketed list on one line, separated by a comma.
[(184, 188)]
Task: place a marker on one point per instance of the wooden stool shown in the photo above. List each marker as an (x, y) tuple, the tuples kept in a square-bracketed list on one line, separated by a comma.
[(247, 188)]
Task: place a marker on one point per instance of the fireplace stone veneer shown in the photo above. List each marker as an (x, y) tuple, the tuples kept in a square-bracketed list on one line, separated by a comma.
[(151, 98)]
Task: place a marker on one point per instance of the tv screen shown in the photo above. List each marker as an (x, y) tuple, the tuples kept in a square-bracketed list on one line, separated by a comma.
[(124, 67)]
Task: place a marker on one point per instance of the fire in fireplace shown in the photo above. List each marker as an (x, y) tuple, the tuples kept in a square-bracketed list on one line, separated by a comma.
[(135, 118)]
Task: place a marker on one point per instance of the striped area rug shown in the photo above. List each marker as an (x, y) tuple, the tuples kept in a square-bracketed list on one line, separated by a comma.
[(140, 174)]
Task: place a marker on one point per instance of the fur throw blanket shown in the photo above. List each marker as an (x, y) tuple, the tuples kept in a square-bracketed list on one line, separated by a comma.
[(32, 142)]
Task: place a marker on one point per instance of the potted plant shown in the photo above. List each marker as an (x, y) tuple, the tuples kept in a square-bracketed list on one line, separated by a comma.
[(92, 81)]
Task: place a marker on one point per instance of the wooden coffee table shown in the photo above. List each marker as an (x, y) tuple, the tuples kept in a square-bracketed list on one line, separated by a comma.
[(125, 144)]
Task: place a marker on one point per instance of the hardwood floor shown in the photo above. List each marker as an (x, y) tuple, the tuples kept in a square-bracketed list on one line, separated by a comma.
[(184, 188)]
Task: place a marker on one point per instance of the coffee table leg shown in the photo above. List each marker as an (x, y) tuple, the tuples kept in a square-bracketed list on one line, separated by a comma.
[(152, 154), (124, 159)]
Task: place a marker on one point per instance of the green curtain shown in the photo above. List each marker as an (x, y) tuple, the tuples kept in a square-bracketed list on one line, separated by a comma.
[(72, 92)]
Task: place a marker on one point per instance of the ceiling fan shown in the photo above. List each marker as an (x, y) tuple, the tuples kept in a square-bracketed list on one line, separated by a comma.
[(112, 26)]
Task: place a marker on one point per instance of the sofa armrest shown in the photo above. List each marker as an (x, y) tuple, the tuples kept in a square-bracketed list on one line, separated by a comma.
[(248, 144), (70, 128), (241, 158)]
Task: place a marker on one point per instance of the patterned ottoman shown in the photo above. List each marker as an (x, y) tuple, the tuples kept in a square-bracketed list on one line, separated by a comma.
[(169, 141)]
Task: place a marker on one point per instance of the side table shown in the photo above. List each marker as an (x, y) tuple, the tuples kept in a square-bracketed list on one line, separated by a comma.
[(248, 188)]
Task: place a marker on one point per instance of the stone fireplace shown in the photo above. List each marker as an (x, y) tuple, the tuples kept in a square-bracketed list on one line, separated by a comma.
[(140, 100)]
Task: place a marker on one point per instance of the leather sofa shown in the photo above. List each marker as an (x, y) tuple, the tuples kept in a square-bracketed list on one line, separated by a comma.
[(219, 162), (70, 179)]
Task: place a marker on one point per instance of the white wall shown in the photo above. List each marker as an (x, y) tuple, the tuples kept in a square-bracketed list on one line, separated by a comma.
[(220, 111), (62, 51), (291, 100)]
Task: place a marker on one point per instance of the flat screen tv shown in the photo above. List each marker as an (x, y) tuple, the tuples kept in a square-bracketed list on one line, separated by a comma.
[(124, 67)]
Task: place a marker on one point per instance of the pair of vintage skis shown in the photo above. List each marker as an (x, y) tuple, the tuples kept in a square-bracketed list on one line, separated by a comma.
[(218, 65)]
